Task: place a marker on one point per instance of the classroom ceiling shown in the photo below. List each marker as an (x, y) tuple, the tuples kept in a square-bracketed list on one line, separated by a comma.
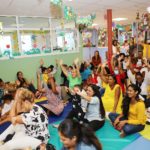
[(120, 8), (25, 7)]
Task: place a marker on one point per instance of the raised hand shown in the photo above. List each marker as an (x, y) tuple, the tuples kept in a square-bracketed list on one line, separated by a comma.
[(41, 62)]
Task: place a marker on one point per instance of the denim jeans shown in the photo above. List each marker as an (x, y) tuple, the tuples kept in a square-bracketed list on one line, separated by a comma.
[(128, 128)]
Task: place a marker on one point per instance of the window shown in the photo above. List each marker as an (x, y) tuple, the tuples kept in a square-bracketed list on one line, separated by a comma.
[(36, 35), (69, 41), (26, 43), (5, 44), (60, 41)]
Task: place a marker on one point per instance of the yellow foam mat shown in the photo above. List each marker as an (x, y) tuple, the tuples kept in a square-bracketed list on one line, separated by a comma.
[(40, 99), (146, 132)]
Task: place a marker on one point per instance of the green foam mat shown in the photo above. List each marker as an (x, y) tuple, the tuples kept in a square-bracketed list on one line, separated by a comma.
[(110, 139), (108, 136)]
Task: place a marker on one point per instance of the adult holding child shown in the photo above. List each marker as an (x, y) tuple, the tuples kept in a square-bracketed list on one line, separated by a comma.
[(29, 123)]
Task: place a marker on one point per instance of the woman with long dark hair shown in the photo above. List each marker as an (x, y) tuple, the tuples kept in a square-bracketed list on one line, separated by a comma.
[(96, 59), (112, 96), (95, 113), (76, 136), (22, 82), (53, 93), (133, 116)]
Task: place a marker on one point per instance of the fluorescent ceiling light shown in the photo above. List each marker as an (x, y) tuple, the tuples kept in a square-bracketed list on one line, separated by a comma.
[(120, 19), (148, 9)]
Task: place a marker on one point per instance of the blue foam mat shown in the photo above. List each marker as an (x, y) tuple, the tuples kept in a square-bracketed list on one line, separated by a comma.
[(139, 144), (63, 115), (4, 126), (108, 136)]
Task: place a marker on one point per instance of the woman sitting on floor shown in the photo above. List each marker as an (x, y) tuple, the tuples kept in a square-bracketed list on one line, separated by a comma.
[(74, 78), (53, 93), (112, 96), (22, 82), (133, 116), (29, 123), (95, 112), (76, 136)]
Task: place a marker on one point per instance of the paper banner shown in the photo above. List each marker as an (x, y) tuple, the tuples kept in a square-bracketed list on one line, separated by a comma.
[(69, 13), (56, 2), (87, 20)]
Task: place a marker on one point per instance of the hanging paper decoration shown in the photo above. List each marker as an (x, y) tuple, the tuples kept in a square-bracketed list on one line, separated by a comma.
[(69, 13), (119, 27), (93, 16), (81, 27), (33, 37), (61, 33), (145, 22), (128, 28), (62, 23), (113, 24), (87, 20), (56, 2)]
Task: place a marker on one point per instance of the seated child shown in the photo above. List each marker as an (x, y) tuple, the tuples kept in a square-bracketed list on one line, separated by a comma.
[(79, 105), (6, 107)]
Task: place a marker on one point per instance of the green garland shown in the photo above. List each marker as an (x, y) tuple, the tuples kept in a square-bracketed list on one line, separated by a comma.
[(87, 20), (56, 2)]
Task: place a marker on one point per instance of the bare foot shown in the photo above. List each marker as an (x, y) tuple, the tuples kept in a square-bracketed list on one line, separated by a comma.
[(43, 146), (122, 134)]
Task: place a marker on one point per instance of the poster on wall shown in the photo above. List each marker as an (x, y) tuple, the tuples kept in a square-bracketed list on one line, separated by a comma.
[(90, 38)]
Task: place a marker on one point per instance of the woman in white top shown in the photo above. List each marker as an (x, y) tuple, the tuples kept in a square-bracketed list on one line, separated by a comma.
[(29, 123), (95, 114)]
